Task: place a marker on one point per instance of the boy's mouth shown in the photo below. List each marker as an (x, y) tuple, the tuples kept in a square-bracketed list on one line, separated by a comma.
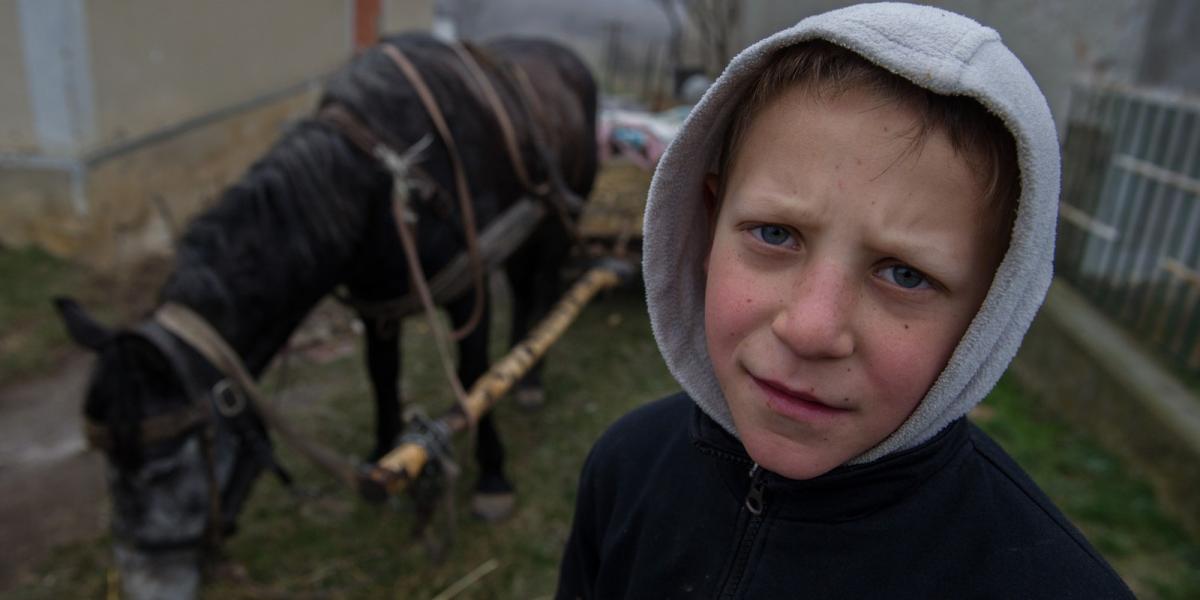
[(795, 404)]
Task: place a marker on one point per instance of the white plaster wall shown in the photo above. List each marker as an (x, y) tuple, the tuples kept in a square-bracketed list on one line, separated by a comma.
[(158, 62), (16, 116), (404, 15)]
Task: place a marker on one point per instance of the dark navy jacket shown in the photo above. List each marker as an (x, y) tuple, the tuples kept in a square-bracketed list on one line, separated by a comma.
[(668, 508)]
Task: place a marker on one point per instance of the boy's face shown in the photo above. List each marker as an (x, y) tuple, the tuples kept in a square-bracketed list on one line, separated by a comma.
[(843, 271)]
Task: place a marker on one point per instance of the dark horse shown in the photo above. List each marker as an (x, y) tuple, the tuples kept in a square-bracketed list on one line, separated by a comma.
[(314, 213)]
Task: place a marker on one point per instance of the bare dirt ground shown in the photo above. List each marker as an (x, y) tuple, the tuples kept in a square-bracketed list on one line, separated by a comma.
[(53, 484)]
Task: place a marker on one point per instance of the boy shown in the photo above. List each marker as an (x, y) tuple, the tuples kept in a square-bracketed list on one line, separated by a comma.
[(843, 248)]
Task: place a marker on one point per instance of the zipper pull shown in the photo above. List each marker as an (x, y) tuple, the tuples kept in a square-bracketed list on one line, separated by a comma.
[(754, 499)]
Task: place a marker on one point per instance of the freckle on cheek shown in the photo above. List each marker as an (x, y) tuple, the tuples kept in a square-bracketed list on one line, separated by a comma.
[(906, 325)]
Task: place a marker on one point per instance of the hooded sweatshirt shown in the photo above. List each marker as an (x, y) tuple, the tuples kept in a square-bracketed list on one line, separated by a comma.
[(671, 505)]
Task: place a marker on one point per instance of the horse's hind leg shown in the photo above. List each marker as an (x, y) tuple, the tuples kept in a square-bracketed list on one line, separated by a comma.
[(383, 366), (494, 497)]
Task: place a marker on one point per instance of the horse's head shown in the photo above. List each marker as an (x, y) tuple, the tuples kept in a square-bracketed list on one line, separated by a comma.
[(177, 455)]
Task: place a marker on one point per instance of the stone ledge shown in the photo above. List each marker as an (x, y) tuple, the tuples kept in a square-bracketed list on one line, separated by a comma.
[(1094, 374)]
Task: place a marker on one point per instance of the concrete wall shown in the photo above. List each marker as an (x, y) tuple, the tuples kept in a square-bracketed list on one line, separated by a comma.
[(1171, 57), (1057, 41), (108, 213), (157, 62), (120, 119), (16, 116), (403, 15)]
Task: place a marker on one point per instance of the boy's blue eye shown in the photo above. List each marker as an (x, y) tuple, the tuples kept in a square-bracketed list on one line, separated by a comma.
[(772, 234), (905, 277)]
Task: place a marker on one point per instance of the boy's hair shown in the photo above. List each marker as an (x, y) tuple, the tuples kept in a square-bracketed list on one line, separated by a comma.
[(827, 70)]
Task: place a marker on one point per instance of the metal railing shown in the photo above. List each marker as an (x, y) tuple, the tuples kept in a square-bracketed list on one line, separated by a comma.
[(1129, 218)]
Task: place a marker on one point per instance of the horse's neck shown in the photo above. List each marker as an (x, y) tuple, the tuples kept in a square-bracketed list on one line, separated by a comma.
[(258, 262)]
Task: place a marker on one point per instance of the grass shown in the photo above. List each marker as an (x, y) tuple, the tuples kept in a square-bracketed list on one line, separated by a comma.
[(326, 543), (32, 339), (1114, 508)]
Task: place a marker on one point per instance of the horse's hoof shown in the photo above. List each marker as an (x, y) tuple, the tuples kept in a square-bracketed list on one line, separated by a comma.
[(493, 507), (530, 398)]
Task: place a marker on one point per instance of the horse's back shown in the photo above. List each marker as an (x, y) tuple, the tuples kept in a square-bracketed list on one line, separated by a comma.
[(569, 119)]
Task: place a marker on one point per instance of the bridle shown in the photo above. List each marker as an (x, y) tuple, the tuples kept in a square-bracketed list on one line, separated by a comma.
[(207, 406)]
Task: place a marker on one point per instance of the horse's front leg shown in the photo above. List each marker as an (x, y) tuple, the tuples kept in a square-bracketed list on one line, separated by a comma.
[(383, 366), (494, 497), (534, 277)]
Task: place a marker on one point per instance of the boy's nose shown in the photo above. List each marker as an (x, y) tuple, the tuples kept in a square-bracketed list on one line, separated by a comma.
[(814, 321)]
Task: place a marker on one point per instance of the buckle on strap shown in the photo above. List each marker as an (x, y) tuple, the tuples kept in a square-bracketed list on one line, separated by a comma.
[(229, 400)]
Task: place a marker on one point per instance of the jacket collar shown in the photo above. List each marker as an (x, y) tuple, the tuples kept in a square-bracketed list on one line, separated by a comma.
[(846, 493)]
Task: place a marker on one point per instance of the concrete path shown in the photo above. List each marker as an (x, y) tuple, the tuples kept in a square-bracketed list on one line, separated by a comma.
[(53, 485)]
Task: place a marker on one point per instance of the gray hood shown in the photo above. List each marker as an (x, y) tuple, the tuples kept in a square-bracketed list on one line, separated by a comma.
[(938, 50)]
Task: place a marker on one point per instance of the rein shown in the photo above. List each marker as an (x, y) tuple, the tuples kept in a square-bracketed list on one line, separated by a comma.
[(197, 333), (466, 205), (553, 190), (397, 167)]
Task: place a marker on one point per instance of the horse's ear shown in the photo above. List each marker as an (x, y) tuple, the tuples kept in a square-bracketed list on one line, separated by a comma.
[(82, 328)]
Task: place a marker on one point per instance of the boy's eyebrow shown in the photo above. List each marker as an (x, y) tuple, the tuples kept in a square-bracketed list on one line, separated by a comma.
[(781, 204), (924, 251)]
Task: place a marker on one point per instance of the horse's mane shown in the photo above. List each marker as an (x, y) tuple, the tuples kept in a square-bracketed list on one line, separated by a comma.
[(297, 213), (305, 196)]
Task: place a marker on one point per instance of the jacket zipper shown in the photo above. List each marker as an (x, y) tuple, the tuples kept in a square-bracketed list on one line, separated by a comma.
[(754, 499), (755, 506)]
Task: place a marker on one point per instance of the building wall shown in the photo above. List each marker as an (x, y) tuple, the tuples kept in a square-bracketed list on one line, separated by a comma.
[(1171, 57), (157, 62), (139, 112), (1057, 41), (16, 117), (404, 15)]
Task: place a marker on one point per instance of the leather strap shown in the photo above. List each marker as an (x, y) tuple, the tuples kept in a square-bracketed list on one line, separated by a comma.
[(507, 131), (466, 205), (154, 429), (554, 191), (197, 333)]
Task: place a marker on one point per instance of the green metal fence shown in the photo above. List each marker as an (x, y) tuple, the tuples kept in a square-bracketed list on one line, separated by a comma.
[(1129, 226)]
